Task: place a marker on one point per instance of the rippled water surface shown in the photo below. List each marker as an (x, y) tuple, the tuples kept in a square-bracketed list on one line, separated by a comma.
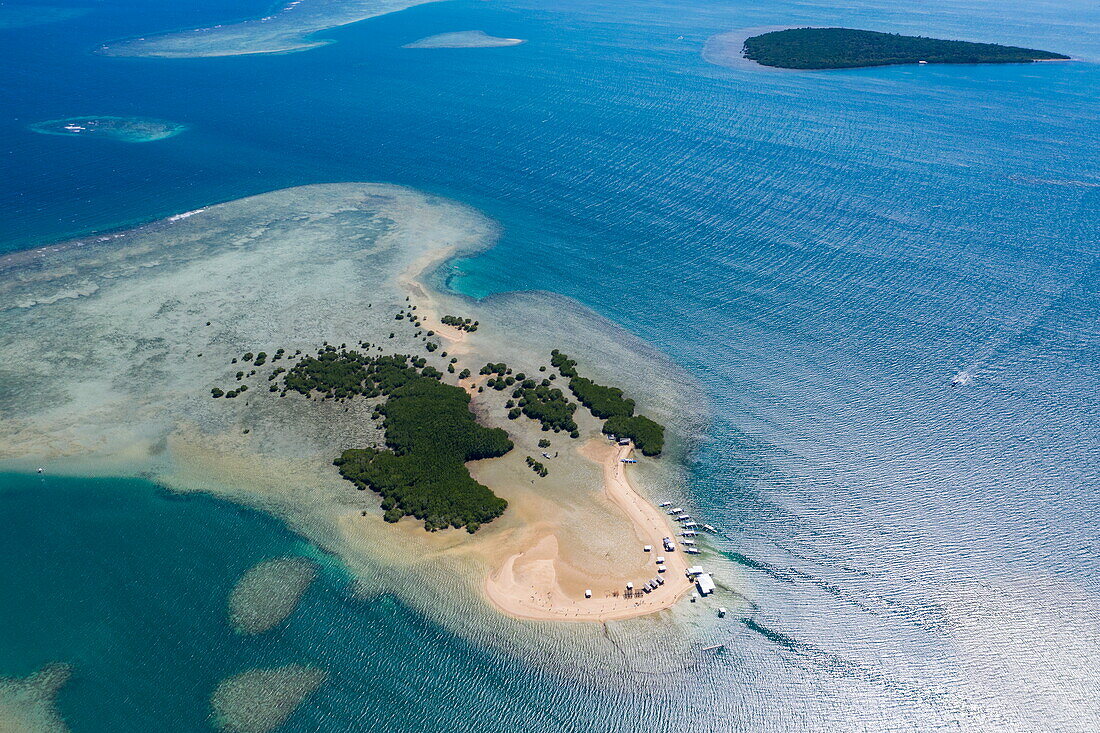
[(827, 252)]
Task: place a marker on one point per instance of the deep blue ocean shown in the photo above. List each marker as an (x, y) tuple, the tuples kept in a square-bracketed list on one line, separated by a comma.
[(825, 252)]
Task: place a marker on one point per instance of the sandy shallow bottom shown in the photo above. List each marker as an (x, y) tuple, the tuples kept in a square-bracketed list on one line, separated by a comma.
[(464, 39), (261, 700), (269, 592), (110, 362), (27, 705)]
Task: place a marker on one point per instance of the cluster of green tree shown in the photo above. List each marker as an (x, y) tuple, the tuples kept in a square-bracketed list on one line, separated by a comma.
[(431, 433), (499, 369), (608, 403), (839, 48), (563, 364), (604, 402), (215, 393), (545, 404), (342, 374), (260, 358), (648, 436), (413, 318), (537, 467), (462, 324)]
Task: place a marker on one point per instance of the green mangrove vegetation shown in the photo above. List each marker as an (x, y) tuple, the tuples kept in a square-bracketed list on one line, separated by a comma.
[(430, 433), (462, 324), (608, 403), (842, 48), (537, 467), (545, 404), (604, 402), (648, 436)]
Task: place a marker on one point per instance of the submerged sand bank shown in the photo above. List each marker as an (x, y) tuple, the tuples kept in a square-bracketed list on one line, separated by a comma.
[(464, 39), (109, 363), (27, 705), (289, 29)]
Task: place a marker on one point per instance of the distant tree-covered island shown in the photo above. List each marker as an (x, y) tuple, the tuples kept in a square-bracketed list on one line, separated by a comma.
[(845, 48)]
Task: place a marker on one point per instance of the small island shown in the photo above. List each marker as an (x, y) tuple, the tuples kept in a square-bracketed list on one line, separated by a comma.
[(122, 129), (464, 39), (845, 48)]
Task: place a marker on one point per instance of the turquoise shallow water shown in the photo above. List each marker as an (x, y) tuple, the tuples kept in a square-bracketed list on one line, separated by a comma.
[(824, 251), (129, 584)]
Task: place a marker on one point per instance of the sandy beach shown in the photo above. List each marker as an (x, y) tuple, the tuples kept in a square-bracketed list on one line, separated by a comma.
[(540, 583)]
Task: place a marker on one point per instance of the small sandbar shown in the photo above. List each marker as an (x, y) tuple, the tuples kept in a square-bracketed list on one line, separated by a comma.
[(27, 705), (268, 593), (464, 39), (288, 30), (261, 700), (122, 129)]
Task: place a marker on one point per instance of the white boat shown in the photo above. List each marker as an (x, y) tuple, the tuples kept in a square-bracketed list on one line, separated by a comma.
[(683, 518), (665, 503), (709, 528), (689, 543), (689, 533), (691, 550), (676, 510)]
